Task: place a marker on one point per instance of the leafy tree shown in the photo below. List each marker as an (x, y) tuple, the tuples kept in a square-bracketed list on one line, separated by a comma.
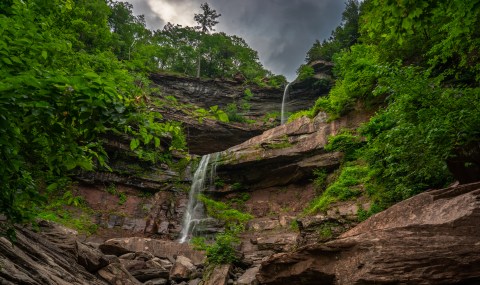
[(344, 36), (206, 20), (61, 92)]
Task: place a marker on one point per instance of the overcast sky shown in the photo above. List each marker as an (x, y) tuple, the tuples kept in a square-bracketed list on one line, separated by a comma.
[(281, 31)]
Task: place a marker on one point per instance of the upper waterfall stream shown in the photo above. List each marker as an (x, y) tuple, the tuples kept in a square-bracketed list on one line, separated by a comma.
[(284, 101)]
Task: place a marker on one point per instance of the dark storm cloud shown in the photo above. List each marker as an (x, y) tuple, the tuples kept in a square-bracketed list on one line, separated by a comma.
[(281, 31)]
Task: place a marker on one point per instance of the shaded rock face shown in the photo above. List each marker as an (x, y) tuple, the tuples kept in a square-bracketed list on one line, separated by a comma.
[(205, 93), (432, 238), (156, 215), (286, 154), (465, 164), (212, 136), (137, 197), (314, 87)]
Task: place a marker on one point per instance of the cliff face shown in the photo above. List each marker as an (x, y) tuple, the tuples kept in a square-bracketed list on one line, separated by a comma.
[(431, 238), (286, 154), (209, 136)]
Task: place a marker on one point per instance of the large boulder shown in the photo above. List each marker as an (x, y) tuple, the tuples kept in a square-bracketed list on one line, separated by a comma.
[(182, 269), (116, 274), (432, 238), (160, 248), (219, 275)]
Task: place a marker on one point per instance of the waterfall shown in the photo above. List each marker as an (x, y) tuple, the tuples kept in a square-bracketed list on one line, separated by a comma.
[(285, 97), (195, 213)]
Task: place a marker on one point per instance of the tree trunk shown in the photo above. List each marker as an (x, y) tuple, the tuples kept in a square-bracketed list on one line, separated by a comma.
[(198, 66)]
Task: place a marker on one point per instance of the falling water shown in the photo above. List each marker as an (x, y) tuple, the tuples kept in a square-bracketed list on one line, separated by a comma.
[(285, 97), (195, 213)]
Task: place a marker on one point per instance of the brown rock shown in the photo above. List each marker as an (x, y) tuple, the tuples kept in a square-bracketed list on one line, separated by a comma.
[(287, 153), (432, 238), (182, 269), (219, 275), (277, 242), (116, 274), (249, 277), (90, 258), (37, 259), (163, 249), (157, 281)]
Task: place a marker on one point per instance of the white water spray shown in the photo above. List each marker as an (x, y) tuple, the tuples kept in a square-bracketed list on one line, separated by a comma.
[(195, 213), (285, 97)]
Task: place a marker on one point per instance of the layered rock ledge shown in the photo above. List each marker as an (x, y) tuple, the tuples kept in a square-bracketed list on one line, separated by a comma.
[(432, 238), (286, 154)]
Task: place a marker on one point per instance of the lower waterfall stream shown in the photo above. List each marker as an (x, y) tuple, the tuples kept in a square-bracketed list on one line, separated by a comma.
[(195, 214)]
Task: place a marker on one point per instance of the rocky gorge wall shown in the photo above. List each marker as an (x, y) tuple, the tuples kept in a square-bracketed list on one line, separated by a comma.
[(431, 238)]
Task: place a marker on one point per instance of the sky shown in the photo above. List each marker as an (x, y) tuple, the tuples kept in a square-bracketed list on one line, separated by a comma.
[(282, 31)]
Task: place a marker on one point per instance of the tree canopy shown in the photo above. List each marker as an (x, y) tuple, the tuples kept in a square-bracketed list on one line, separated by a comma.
[(416, 63)]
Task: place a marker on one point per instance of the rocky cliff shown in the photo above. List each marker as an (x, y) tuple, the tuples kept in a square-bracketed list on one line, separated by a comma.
[(431, 238), (286, 154), (208, 136)]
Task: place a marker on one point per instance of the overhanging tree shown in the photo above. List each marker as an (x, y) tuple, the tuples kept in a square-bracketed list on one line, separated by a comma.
[(206, 21)]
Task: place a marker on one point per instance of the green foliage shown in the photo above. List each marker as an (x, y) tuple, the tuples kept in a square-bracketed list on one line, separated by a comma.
[(305, 72), (62, 90), (213, 113), (363, 214), (300, 114), (320, 179), (294, 225), (223, 251), (279, 143), (342, 37), (422, 118), (441, 35), (325, 230), (234, 110), (223, 212), (112, 190), (358, 71), (348, 185), (65, 208), (346, 142)]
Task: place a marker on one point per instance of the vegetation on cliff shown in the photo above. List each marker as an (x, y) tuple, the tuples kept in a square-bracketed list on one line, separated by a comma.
[(418, 65), (74, 73)]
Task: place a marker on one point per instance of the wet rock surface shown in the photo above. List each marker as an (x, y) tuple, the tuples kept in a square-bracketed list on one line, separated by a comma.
[(431, 238)]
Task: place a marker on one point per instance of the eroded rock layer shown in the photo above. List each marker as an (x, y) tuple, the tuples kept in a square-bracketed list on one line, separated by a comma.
[(432, 238)]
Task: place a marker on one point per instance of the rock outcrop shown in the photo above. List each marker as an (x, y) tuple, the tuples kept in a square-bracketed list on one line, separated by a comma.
[(54, 255), (287, 153), (211, 136), (50, 257), (313, 87), (431, 238), (205, 93)]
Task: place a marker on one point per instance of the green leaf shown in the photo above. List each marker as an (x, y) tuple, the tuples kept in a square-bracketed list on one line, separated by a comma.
[(7, 60), (44, 54), (157, 142), (85, 163), (135, 143)]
